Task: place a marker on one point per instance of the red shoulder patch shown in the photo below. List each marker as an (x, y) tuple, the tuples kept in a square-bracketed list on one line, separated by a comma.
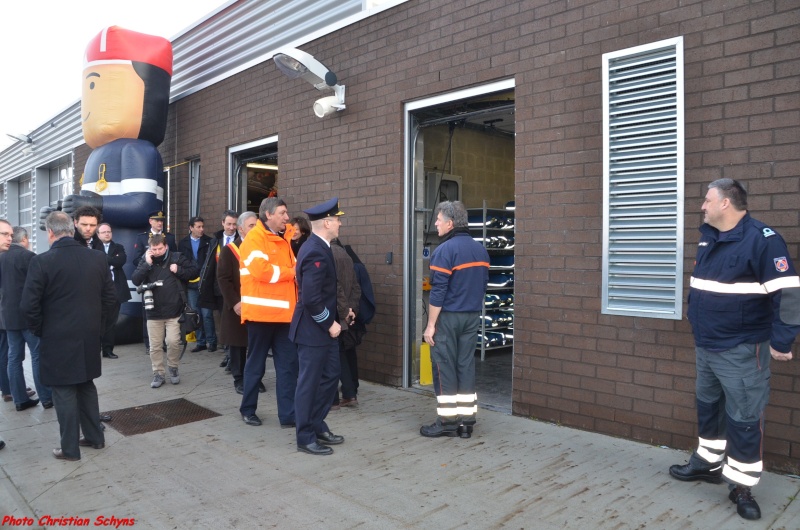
[(317, 264)]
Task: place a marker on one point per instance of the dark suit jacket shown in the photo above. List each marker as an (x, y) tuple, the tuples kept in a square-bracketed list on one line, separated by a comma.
[(13, 270), (67, 290), (143, 241), (185, 248), (233, 332), (316, 308), (116, 258)]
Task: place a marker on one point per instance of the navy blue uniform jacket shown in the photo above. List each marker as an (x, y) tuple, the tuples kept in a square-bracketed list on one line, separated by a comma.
[(315, 312)]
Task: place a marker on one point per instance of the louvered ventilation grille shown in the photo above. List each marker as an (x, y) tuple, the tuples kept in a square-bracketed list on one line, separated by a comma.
[(642, 266)]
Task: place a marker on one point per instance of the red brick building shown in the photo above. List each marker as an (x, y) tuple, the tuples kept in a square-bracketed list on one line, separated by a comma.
[(584, 354)]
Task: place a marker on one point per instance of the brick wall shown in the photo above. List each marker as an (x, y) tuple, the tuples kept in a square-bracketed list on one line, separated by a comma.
[(630, 377)]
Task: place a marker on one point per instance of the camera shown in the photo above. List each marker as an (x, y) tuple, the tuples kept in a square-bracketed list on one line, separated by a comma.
[(147, 289)]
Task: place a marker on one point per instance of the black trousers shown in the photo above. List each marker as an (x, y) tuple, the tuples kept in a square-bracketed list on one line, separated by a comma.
[(108, 324), (238, 357), (77, 410)]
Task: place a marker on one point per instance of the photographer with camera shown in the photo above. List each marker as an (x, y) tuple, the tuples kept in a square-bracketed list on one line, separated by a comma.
[(162, 277)]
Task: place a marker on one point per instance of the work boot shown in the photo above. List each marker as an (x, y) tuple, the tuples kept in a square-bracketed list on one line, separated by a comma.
[(439, 428), (688, 472), (465, 431), (746, 505)]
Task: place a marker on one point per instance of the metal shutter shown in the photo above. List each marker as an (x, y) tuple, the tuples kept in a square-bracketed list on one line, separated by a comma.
[(643, 181)]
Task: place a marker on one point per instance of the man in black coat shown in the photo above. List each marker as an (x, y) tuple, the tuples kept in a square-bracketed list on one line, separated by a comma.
[(87, 218), (66, 292), (315, 329), (116, 258), (196, 246), (168, 301), (14, 265)]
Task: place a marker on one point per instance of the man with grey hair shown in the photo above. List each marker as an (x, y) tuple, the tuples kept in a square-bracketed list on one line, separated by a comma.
[(743, 311), (269, 296), (64, 278), (14, 266), (459, 275)]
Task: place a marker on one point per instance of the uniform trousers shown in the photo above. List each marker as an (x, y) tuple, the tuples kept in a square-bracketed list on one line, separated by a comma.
[(77, 410), (238, 358), (453, 360), (316, 387), (261, 338), (732, 392)]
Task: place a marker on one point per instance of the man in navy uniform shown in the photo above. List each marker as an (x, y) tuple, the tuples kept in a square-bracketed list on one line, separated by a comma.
[(743, 306), (143, 240), (315, 329)]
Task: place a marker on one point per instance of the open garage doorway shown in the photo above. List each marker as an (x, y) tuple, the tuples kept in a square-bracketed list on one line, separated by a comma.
[(461, 146), (253, 174)]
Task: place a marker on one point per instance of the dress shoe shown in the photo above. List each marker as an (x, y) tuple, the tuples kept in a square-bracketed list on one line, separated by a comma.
[(261, 387), (2, 444), (252, 420), (47, 404), (746, 505), (438, 428), (212, 347), (83, 442), (199, 347), (288, 425), (689, 472), (30, 392), (105, 417), (328, 438), (8, 397), (239, 387), (348, 402), (58, 453), (27, 404), (111, 355), (224, 362), (315, 449)]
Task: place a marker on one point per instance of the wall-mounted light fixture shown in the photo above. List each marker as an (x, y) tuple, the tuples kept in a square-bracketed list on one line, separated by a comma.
[(24, 138), (297, 63)]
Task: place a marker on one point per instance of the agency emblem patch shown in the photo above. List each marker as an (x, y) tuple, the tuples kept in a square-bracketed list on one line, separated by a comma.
[(781, 264)]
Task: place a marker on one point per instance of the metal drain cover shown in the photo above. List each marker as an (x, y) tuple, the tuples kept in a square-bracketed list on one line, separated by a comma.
[(157, 416)]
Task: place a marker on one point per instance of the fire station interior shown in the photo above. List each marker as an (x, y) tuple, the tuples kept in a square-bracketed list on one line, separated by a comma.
[(468, 155), (255, 176)]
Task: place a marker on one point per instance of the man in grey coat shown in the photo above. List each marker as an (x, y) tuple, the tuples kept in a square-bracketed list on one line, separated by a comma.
[(67, 290)]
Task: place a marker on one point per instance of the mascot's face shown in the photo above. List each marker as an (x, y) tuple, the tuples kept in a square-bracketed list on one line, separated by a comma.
[(112, 102)]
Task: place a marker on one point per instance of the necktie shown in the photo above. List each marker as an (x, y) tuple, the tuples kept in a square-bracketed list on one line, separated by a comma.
[(89, 242), (227, 240)]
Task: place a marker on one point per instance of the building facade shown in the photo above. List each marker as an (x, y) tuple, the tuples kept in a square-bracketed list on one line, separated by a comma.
[(601, 121)]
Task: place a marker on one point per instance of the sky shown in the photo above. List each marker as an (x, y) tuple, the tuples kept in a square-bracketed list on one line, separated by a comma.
[(42, 45)]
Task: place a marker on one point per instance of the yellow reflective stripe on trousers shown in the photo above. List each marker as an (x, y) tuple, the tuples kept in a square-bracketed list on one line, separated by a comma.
[(265, 302), (712, 451)]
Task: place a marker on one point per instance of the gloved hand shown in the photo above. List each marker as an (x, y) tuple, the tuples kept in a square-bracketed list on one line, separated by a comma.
[(44, 212), (73, 202)]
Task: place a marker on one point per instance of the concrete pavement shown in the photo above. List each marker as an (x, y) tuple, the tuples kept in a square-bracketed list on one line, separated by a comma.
[(220, 473)]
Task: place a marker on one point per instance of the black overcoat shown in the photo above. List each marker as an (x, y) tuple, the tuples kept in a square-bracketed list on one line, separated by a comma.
[(14, 265), (66, 291)]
